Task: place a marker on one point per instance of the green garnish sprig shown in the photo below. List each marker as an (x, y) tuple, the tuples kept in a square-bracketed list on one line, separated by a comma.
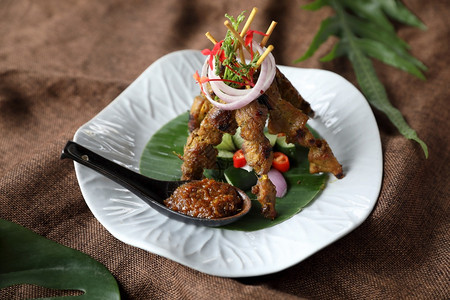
[(229, 59)]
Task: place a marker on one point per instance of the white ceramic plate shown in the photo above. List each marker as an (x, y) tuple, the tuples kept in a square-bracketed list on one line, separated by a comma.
[(165, 90)]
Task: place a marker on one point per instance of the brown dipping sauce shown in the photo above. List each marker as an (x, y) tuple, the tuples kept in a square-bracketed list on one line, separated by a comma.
[(205, 198)]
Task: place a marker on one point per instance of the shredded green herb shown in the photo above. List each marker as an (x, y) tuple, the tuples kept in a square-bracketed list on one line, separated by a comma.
[(228, 64)]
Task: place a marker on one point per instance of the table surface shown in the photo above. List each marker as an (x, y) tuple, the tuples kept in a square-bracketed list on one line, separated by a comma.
[(62, 62)]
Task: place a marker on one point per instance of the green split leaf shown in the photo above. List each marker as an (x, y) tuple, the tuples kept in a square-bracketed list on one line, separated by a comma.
[(365, 31), (28, 258)]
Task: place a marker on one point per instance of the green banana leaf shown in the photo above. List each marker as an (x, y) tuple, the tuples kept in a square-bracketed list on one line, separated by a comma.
[(159, 160), (28, 258)]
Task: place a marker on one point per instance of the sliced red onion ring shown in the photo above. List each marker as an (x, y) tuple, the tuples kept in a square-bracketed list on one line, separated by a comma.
[(278, 180), (237, 98)]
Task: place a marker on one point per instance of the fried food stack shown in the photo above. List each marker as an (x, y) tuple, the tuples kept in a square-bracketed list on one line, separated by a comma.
[(287, 113)]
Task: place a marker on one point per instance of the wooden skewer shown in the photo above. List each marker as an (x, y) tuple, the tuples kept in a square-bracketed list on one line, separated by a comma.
[(249, 21), (237, 35), (268, 32), (211, 38), (244, 31), (241, 54), (264, 55)]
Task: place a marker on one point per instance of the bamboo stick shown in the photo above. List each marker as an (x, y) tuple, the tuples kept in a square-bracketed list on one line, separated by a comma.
[(241, 54), (264, 55), (268, 32), (211, 38), (244, 31), (237, 35), (249, 21)]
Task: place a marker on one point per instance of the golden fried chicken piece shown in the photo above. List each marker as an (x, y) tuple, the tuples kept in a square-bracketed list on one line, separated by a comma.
[(321, 159), (266, 192), (288, 113), (258, 153), (198, 111), (286, 118), (256, 147), (289, 93), (199, 151)]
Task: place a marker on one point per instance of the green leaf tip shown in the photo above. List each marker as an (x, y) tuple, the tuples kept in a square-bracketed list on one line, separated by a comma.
[(364, 31), (421, 143), (28, 258), (328, 27)]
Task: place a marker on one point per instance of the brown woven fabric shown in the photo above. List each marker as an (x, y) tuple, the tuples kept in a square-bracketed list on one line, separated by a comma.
[(61, 62)]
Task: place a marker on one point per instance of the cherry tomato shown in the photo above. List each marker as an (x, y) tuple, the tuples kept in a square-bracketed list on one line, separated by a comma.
[(239, 159), (280, 161)]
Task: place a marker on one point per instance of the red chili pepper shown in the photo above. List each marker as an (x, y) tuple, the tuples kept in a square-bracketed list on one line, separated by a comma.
[(280, 161), (249, 39), (249, 36), (239, 159), (204, 79), (213, 52)]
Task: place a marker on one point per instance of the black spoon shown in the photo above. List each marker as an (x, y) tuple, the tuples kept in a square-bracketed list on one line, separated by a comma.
[(152, 191)]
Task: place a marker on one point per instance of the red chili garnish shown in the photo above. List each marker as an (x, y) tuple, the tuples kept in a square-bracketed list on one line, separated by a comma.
[(239, 159), (213, 53), (199, 79), (246, 80), (249, 38), (204, 79), (206, 51), (280, 161)]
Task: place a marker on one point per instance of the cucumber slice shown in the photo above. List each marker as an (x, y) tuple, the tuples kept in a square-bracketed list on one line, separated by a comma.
[(224, 159), (227, 143), (237, 139), (225, 154), (283, 146), (271, 137), (240, 178)]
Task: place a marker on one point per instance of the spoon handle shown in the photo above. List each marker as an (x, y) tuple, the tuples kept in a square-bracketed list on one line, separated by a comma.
[(152, 191), (141, 185)]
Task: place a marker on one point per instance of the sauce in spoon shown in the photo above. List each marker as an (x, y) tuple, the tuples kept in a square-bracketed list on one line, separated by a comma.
[(154, 191), (205, 198)]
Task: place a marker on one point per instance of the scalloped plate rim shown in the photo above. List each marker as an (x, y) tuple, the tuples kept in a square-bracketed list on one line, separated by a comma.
[(327, 125)]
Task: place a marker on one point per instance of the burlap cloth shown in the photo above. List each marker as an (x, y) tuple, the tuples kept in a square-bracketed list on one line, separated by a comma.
[(61, 62)]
